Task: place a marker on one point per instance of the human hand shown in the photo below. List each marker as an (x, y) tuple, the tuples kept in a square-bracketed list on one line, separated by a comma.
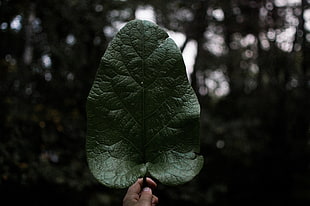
[(138, 196)]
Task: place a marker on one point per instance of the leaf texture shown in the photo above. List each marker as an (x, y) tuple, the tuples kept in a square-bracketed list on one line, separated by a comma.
[(143, 116)]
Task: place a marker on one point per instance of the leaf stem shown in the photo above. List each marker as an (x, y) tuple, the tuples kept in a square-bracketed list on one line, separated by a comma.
[(144, 183)]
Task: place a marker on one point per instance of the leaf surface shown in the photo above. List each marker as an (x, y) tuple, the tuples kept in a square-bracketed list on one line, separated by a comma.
[(143, 116)]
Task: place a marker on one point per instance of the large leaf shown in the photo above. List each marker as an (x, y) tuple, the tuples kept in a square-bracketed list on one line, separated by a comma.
[(143, 115)]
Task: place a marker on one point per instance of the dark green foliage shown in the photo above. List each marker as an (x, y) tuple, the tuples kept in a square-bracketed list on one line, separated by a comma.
[(143, 116), (255, 137)]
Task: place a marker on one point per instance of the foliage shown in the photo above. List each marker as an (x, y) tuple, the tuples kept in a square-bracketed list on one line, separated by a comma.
[(143, 116), (251, 76)]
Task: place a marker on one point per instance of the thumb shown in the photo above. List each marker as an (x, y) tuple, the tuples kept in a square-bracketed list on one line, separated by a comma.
[(146, 197)]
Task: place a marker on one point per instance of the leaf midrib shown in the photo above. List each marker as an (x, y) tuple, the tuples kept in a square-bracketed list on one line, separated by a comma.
[(144, 86), (143, 99)]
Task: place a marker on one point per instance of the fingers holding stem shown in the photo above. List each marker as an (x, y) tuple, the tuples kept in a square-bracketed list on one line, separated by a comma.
[(140, 193)]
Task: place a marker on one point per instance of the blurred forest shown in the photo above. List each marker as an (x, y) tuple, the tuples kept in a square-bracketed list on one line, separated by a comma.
[(251, 74)]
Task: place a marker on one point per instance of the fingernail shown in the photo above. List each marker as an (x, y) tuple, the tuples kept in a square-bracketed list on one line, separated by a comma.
[(147, 189)]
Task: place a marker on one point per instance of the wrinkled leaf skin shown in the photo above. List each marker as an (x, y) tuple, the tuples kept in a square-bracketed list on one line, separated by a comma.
[(143, 115)]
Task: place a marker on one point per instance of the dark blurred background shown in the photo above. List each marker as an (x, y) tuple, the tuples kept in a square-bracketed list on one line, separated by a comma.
[(250, 70)]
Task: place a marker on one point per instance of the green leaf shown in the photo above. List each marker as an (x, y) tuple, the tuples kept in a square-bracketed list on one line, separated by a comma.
[(143, 116)]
